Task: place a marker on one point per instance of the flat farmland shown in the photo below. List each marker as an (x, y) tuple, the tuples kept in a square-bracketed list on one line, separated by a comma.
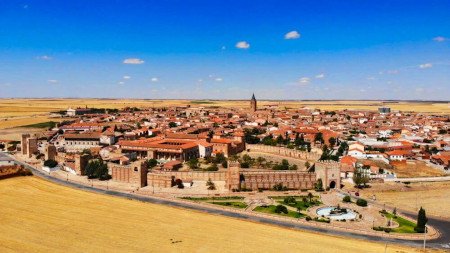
[(40, 216), (19, 112), (27, 107), (433, 196)]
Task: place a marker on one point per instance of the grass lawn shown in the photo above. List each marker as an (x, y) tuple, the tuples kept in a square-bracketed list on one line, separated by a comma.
[(236, 204), (300, 204), (271, 210), (405, 226)]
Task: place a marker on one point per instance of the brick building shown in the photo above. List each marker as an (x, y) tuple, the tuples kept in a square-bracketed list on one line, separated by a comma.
[(134, 173)]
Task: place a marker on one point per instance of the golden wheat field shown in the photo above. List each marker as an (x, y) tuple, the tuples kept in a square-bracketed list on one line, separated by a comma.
[(18, 112), (40, 216), (433, 196)]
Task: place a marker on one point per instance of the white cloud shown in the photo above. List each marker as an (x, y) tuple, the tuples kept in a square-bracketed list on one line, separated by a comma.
[(133, 61), (425, 66), (320, 76), (52, 81), (45, 57), (439, 39), (304, 80), (370, 78), (155, 79), (218, 79), (292, 35), (126, 77), (121, 82), (392, 72), (243, 45)]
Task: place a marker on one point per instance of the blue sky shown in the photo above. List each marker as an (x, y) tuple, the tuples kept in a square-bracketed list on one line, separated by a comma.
[(226, 49)]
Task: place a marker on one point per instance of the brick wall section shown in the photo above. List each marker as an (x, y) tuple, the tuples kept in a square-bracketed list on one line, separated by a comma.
[(284, 152)]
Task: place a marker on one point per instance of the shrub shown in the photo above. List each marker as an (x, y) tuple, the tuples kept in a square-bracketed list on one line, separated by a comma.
[(213, 167), (361, 202), (50, 163), (308, 218), (281, 209), (279, 187), (347, 199), (289, 200), (225, 164), (179, 184), (151, 163)]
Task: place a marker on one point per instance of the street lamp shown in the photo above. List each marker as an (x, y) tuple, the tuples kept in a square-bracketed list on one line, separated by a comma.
[(425, 238)]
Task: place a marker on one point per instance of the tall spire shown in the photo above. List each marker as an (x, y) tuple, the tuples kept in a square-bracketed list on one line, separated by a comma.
[(253, 103)]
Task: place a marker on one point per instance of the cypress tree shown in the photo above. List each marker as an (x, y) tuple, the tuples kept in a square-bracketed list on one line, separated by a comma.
[(421, 221)]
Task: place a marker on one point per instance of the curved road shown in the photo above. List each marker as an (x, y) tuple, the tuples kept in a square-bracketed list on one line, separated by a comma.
[(442, 225)]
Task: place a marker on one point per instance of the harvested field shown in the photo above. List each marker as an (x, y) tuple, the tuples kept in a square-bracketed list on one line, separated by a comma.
[(15, 133), (416, 169), (28, 107), (434, 197), (39, 216)]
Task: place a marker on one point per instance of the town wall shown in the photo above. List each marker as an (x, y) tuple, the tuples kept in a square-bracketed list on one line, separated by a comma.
[(284, 152)]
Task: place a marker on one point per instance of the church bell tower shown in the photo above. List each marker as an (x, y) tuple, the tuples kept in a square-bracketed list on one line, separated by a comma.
[(253, 103)]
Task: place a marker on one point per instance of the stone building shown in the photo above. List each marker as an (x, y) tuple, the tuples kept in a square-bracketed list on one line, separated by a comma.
[(32, 146), (50, 152), (28, 145), (23, 143), (329, 172), (134, 173)]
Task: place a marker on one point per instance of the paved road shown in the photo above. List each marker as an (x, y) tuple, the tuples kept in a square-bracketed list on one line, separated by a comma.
[(418, 179), (443, 226)]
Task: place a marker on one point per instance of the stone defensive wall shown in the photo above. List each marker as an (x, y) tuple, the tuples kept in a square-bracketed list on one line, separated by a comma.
[(282, 151), (268, 179), (193, 175)]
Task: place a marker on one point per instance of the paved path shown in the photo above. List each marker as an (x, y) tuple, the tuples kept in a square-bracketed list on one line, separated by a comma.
[(443, 226)]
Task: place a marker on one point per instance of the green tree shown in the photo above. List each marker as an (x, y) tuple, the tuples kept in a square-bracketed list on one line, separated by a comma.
[(332, 141), (259, 161), (421, 221), (97, 169), (359, 178), (193, 164), (172, 124), (347, 199), (281, 209), (210, 184), (151, 163), (310, 197), (307, 165), (361, 202), (319, 185), (319, 138)]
